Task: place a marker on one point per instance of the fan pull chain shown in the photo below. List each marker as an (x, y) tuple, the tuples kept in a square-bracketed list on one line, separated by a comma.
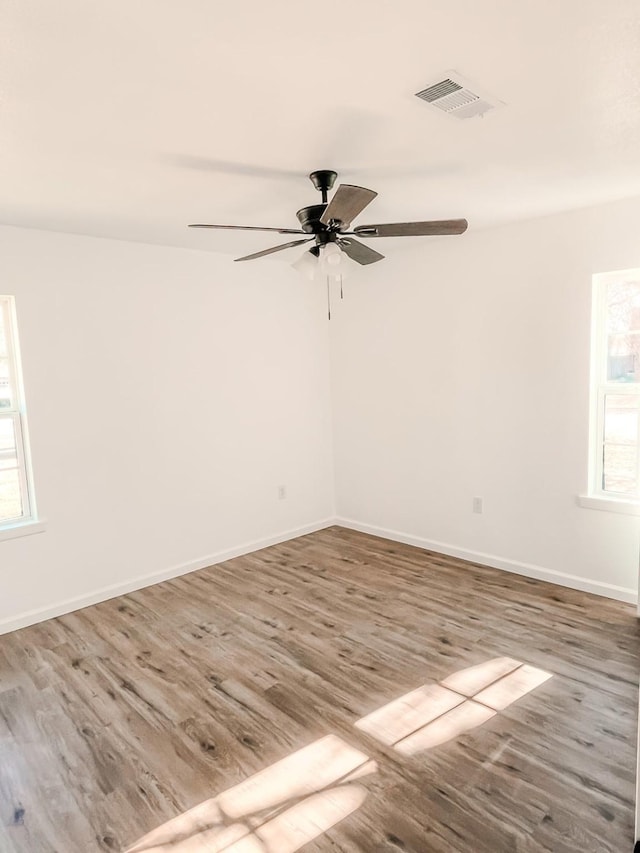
[(341, 293), (329, 297)]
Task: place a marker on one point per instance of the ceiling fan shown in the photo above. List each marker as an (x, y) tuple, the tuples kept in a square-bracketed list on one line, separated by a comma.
[(328, 225)]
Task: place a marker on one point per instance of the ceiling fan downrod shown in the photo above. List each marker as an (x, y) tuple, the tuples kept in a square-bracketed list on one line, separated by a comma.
[(323, 180)]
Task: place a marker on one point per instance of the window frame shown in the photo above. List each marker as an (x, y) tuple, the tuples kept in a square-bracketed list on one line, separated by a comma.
[(600, 387), (17, 414)]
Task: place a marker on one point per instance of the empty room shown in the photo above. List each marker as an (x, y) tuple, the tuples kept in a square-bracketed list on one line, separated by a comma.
[(319, 426)]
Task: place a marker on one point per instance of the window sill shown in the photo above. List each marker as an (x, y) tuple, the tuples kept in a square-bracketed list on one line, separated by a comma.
[(22, 528), (627, 507)]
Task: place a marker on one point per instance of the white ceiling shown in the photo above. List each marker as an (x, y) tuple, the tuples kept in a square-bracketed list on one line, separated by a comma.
[(131, 119)]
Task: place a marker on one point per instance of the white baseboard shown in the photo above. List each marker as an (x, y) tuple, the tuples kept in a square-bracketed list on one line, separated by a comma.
[(31, 617), (608, 590)]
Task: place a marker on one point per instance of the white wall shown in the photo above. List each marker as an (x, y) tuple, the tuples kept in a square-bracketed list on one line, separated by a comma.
[(169, 393), (460, 369)]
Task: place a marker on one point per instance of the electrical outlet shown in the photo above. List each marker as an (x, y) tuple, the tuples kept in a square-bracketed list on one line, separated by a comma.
[(282, 493), (477, 505)]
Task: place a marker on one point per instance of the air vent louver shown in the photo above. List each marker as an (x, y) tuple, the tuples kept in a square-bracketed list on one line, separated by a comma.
[(455, 96), (440, 90)]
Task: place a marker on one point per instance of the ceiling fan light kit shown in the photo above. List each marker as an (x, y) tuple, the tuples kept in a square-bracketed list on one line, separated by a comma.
[(331, 255), (307, 263), (317, 263), (328, 224)]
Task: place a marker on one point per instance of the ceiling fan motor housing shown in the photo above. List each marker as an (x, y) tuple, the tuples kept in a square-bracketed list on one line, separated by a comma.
[(309, 218)]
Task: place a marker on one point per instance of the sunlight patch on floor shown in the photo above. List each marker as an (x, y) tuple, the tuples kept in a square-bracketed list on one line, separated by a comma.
[(310, 818), (473, 679), (469, 715), (512, 687), (297, 799), (298, 775), (403, 716), (436, 713), (278, 809)]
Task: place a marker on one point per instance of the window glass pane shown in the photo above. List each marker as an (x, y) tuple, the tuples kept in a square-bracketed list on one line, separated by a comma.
[(10, 498), (15, 499), (623, 358), (620, 469), (4, 343), (617, 417), (7, 436), (623, 306), (621, 419), (10, 501), (5, 389), (8, 458)]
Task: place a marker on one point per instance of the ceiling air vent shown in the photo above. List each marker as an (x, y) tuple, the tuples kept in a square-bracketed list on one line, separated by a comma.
[(458, 97)]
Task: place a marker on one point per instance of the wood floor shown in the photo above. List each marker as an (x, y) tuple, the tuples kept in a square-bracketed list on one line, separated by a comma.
[(117, 718)]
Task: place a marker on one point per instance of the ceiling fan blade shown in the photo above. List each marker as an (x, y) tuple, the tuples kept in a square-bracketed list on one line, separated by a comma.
[(413, 229), (348, 201), (274, 249), (358, 252), (250, 228)]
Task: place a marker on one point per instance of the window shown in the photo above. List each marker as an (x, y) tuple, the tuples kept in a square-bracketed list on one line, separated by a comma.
[(16, 495), (615, 425)]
